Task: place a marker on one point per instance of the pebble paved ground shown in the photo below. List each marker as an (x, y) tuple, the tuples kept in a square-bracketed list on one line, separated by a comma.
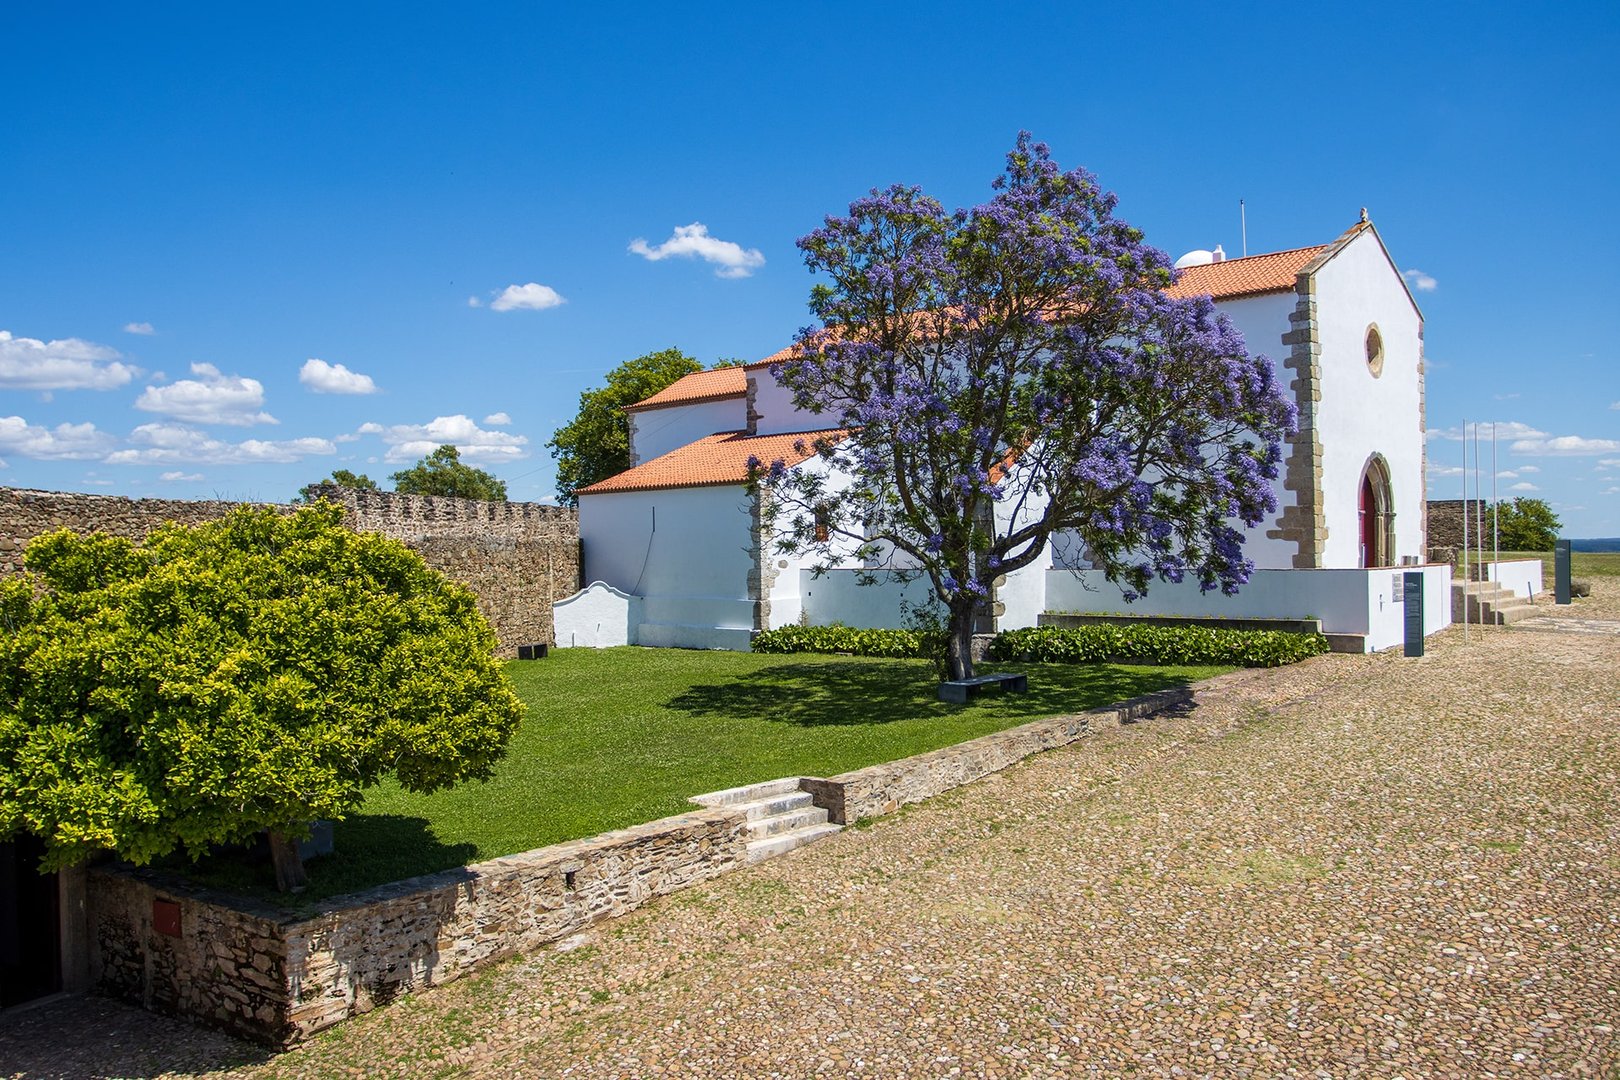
[(1358, 866)]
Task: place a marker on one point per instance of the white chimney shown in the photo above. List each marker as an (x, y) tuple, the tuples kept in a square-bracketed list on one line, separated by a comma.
[(1220, 256)]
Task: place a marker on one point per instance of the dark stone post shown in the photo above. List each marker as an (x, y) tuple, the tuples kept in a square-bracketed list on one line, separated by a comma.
[(1561, 570), (1414, 612)]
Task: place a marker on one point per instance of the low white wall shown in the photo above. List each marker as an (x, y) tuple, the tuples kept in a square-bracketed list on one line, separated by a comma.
[(1367, 602), (1523, 576), (597, 617)]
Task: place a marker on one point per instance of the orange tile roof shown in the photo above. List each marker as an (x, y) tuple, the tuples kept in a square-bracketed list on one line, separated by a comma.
[(699, 386), (714, 459), (1245, 277)]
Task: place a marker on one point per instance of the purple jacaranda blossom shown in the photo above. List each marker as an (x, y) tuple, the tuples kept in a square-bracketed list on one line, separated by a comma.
[(1015, 370)]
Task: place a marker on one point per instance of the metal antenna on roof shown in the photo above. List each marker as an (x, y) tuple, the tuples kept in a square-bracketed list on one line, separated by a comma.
[(1243, 216)]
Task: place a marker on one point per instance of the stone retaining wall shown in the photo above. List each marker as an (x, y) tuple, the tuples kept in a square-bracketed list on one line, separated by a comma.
[(517, 558), (278, 978), (883, 789)]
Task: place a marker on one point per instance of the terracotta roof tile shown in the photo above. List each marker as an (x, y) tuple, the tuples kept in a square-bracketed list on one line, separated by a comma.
[(699, 386), (714, 459), (1245, 277)]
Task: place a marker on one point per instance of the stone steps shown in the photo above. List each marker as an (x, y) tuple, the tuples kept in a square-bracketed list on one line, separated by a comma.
[(1488, 604), (780, 816)]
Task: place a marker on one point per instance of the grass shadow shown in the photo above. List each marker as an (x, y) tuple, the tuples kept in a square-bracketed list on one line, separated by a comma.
[(837, 692), (367, 849)]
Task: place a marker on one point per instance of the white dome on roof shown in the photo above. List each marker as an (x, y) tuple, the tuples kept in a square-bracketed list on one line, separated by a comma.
[(1196, 257)]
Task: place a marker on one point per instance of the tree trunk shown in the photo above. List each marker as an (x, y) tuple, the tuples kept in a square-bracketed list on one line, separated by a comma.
[(959, 652), (289, 864)]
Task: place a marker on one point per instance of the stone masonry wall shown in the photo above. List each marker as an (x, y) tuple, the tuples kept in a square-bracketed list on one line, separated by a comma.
[(517, 558), (883, 789), (278, 978)]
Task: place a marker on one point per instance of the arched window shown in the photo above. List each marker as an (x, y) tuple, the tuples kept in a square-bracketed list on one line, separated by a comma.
[(1377, 511)]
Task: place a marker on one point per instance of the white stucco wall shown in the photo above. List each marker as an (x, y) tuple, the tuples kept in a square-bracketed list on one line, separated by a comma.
[(1368, 602), (787, 599), (654, 432), (1522, 576), (685, 551), (837, 597), (1263, 320), (597, 617), (773, 407), (1359, 413)]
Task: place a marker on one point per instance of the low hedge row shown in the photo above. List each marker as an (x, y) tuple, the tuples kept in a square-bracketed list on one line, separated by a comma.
[(1156, 645), (898, 644), (1055, 644)]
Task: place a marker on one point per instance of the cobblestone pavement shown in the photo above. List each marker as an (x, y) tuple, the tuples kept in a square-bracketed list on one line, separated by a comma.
[(1357, 866)]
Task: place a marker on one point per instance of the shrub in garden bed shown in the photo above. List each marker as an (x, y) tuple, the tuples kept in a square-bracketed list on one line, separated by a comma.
[(894, 644), (1155, 645)]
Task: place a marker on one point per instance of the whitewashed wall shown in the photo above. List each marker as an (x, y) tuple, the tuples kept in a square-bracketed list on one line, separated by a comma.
[(654, 432), (1360, 413), (1368, 602), (773, 407), (685, 551), (597, 617), (1522, 576), (1263, 320), (787, 598), (838, 597)]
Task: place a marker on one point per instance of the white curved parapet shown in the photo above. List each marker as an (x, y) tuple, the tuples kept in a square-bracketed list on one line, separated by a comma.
[(597, 617)]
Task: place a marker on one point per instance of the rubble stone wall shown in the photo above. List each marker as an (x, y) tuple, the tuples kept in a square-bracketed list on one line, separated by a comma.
[(278, 978), (517, 558)]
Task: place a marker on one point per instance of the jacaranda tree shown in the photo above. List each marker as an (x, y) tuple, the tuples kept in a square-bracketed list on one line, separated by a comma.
[(252, 673), (1015, 371)]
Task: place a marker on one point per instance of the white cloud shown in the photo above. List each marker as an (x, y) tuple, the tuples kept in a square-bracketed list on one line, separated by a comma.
[(324, 378), (1565, 446), (1529, 468), (497, 419), (1420, 281), (1611, 491), (175, 475), (142, 328), (64, 442), (1507, 474), (730, 260), (530, 297), (473, 301), (1524, 485), (211, 398), (1437, 469), (1506, 397), (408, 442), (65, 364), (1505, 429), (1616, 405), (175, 444)]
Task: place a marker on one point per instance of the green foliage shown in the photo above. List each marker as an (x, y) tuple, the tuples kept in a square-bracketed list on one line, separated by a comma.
[(894, 644), (442, 473), (254, 672), (616, 737), (1526, 525), (595, 444), (1156, 645), (340, 477)]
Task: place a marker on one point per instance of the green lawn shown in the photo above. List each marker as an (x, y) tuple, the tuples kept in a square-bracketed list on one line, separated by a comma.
[(616, 737)]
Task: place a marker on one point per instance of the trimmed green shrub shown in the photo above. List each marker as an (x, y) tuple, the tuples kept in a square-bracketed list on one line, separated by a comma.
[(894, 644), (1155, 645)]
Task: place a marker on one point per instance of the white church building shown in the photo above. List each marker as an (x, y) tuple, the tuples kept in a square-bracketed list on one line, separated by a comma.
[(678, 553)]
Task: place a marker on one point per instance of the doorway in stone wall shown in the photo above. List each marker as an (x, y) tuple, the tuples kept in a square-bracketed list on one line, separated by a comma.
[(1377, 515), (30, 924)]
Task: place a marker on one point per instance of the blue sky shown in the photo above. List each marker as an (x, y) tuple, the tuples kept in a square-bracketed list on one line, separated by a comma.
[(241, 247)]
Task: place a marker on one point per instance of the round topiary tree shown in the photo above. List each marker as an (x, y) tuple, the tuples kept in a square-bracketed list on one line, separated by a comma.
[(253, 673)]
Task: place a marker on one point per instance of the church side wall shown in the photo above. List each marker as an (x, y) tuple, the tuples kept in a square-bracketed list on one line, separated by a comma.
[(515, 557), (655, 432), (1263, 320), (688, 552), (1361, 414)]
